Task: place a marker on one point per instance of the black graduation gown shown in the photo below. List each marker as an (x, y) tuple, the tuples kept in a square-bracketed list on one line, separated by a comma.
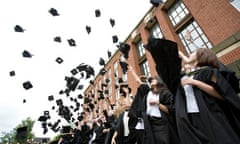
[(135, 112), (166, 99), (215, 116)]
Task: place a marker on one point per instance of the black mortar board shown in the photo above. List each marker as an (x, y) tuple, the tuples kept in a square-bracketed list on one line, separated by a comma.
[(103, 85), (156, 2), (59, 102), (24, 100), (53, 12), (50, 98), (91, 106), (80, 96), (88, 29), (101, 62), (107, 80), (97, 13), (91, 82), (109, 54), (18, 28), (102, 71), (112, 22), (90, 71), (120, 80), (74, 71), (124, 66), (82, 67), (114, 39), (106, 92), (168, 64), (42, 118), (80, 87), (124, 49), (59, 60), (61, 92), (71, 42), (12, 73), (26, 54), (27, 85), (57, 39), (21, 133)]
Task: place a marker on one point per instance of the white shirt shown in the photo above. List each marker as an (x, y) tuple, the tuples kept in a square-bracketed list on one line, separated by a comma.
[(192, 106), (153, 110), (125, 123)]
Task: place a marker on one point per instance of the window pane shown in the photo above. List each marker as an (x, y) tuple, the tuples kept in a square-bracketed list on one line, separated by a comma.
[(140, 48), (177, 12), (145, 68), (156, 31), (197, 38)]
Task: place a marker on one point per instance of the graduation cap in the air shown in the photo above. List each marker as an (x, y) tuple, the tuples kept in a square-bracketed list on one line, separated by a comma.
[(88, 29), (107, 80), (112, 22), (27, 85), (24, 100), (53, 12), (156, 2), (80, 87), (102, 71), (168, 63), (91, 82), (97, 13), (59, 60), (114, 38), (101, 62), (71, 42), (12, 73), (26, 54), (109, 54), (80, 96), (21, 133), (74, 71), (65, 129), (124, 66), (124, 49), (50, 98), (59, 102), (57, 39), (18, 28)]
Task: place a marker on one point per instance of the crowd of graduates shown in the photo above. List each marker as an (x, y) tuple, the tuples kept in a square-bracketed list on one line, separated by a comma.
[(193, 104)]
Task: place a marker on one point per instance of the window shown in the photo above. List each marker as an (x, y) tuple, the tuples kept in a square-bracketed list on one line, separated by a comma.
[(193, 37), (156, 31), (110, 76), (177, 13), (140, 48), (145, 69), (236, 4), (110, 91), (117, 94)]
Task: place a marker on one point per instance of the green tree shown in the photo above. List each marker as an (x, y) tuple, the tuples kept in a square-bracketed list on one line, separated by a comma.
[(11, 136)]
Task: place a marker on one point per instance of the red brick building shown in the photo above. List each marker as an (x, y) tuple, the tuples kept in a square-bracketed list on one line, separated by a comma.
[(212, 24)]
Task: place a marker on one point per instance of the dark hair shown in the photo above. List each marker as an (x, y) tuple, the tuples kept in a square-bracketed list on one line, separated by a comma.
[(160, 83), (206, 57)]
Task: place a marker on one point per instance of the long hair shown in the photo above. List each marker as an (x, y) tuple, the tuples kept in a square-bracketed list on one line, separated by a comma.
[(161, 86), (206, 57)]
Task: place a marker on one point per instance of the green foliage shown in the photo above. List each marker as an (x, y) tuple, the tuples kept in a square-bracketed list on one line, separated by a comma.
[(10, 137)]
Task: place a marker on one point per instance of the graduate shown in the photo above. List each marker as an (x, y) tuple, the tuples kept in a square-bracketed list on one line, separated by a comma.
[(121, 110), (136, 123), (207, 107), (157, 104)]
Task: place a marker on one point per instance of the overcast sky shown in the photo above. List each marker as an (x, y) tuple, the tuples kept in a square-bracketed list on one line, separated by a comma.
[(45, 74)]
